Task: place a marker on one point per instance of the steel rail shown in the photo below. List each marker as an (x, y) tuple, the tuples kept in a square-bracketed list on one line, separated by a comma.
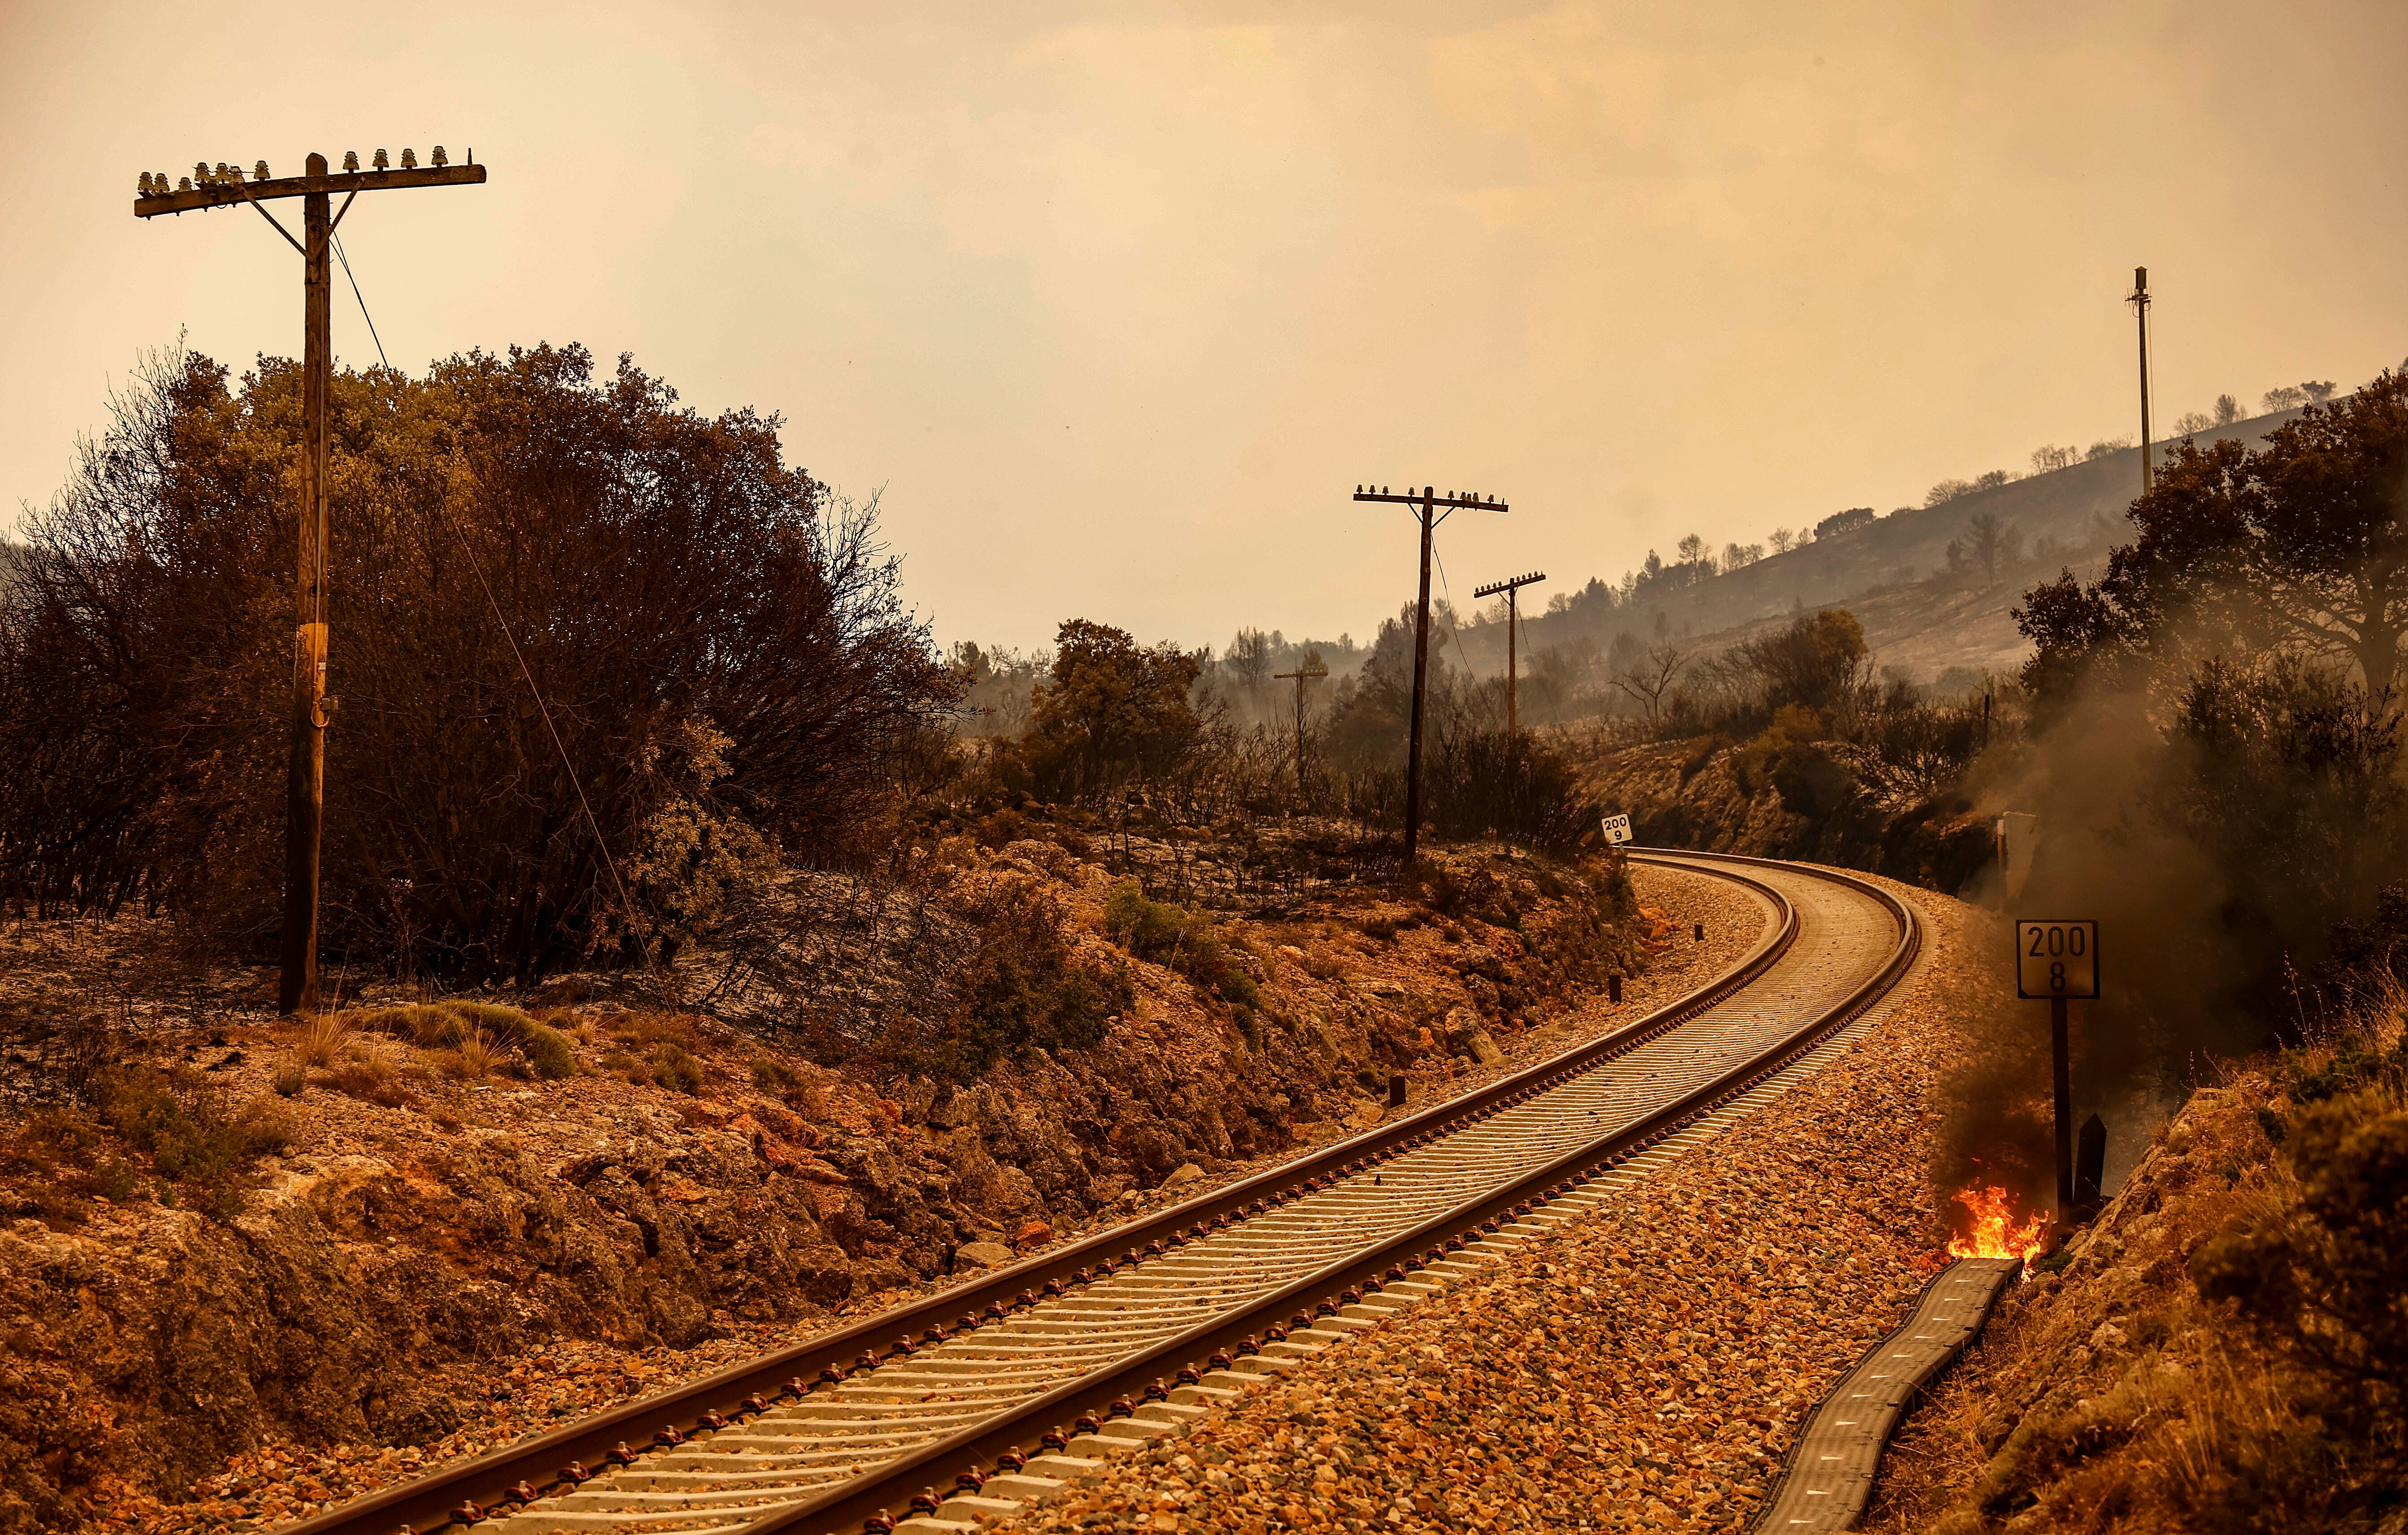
[(501, 1480)]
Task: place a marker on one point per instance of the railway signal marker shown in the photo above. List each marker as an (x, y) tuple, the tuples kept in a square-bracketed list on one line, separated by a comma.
[(1617, 828), (2056, 960)]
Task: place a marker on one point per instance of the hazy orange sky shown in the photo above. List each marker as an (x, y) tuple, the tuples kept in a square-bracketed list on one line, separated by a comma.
[(1116, 305)]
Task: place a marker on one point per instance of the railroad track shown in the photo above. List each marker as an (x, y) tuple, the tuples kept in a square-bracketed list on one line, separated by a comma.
[(995, 1391)]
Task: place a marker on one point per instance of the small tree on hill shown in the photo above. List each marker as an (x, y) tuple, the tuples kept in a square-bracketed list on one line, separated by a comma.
[(1114, 710), (1986, 543), (1812, 663)]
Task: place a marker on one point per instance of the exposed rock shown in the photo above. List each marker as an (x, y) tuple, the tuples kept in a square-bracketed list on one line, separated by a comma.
[(986, 1254), (1035, 1234), (1181, 1175)]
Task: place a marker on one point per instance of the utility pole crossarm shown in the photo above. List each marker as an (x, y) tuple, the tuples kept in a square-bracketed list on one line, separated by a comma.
[(1454, 501), (228, 194), (1498, 588)]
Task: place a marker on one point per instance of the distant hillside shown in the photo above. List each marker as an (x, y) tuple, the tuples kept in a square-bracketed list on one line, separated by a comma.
[(1879, 571)]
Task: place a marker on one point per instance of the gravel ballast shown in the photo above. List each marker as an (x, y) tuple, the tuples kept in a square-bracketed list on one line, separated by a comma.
[(1646, 1370)]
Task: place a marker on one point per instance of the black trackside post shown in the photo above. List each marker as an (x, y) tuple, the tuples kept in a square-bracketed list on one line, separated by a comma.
[(2056, 1043)]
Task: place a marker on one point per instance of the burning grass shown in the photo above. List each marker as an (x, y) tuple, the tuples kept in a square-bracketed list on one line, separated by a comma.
[(1991, 1230)]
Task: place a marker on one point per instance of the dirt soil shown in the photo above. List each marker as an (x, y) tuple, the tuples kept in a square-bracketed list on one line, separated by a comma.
[(416, 1257)]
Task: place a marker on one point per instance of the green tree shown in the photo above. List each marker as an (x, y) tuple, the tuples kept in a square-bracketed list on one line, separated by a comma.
[(1114, 710), (2298, 546)]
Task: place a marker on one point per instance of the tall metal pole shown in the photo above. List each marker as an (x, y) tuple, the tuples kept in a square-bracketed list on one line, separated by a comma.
[(2141, 302), (2057, 1049), (305, 799), (1421, 668)]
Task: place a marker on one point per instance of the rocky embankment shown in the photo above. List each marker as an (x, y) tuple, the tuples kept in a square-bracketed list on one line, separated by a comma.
[(1820, 802), (2218, 1350), (412, 1253)]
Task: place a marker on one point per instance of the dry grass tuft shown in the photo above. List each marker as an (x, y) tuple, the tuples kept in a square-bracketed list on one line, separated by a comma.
[(371, 1073), (323, 1037), (475, 1057)]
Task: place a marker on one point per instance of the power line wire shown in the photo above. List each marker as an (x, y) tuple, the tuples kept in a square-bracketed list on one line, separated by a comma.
[(602, 843), (363, 303)]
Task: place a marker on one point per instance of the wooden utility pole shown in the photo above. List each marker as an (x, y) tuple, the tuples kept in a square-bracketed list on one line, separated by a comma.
[(1427, 505), (1513, 628), (2139, 299), (305, 799), (1302, 674)]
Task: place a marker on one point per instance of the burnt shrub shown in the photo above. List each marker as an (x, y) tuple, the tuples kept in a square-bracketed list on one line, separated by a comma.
[(720, 640)]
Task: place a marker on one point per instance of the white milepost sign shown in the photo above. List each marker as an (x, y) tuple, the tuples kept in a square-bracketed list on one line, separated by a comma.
[(1617, 828), (2056, 961)]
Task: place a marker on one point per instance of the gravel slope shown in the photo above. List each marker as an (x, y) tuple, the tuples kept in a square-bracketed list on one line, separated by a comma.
[(1645, 1371)]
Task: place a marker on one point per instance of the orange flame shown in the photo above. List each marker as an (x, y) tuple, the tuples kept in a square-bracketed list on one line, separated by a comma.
[(1995, 1233)]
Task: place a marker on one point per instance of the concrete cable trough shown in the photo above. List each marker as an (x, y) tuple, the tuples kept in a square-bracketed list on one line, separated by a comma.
[(1829, 1478), (1045, 1367)]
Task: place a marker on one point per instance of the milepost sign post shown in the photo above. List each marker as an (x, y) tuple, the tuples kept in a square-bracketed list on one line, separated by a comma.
[(227, 186), (2058, 960)]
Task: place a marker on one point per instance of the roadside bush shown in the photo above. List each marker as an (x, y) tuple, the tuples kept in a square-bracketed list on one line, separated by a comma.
[(64, 1157), (674, 1066), (194, 1138), (547, 1052), (1022, 985), (450, 1025), (1180, 941), (2316, 1277)]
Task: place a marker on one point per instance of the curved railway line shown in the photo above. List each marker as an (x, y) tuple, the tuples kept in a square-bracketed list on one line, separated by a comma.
[(994, 1392)]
